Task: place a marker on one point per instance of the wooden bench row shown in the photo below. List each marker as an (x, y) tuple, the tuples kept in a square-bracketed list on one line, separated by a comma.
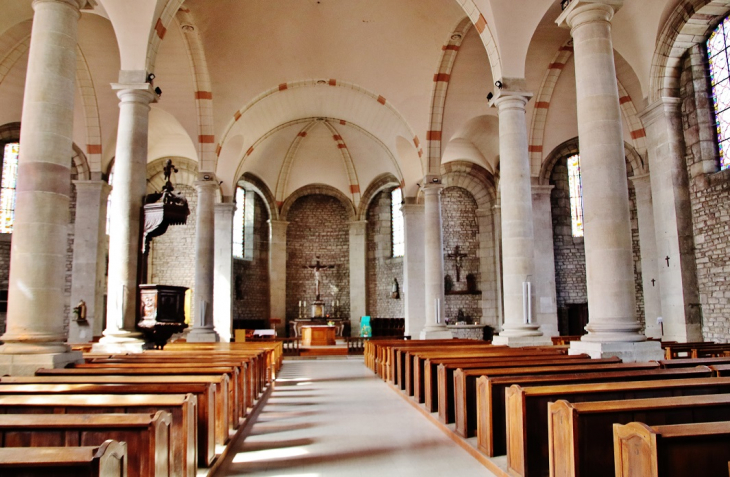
[(106, 460), (198, 400), (507, 407)]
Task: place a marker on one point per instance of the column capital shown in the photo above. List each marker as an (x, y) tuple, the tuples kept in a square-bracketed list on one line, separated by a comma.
[(643, 179), (581, 12), (207, 186), (542, 189), (355, 223), (135, 93), (411, 209), (102, 186), (506, 100), (431, 188), (657, 110), (75, 4)]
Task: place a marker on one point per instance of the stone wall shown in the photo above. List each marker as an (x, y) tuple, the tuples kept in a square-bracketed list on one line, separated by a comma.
[(172, 257), (318, 226), (382, 268), (251, 277), (710, 201), (460, 228), (570, 260)]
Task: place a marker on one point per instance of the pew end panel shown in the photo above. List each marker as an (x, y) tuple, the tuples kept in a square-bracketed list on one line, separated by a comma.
[(563, 431), (107, 460), (634, 450)]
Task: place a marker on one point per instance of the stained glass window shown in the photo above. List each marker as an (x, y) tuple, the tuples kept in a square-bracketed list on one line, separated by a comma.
[(575, 185), (238, 221), (7, 188), (397, 224), (717, 52)]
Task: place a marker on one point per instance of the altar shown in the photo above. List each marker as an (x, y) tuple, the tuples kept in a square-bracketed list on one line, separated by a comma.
[(318, 335)]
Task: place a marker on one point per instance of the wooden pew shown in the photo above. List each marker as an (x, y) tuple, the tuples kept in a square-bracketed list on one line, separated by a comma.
[(416, 370), (395, 354), (671, 451), (220, 382), (182, 407), (491, 391), (527, 415), (234, 403), (203, 392), (107, 460), (273, 350), (382, 350), (692, 362), (147, 436), (581, 434), (458, 396), (426, 386)]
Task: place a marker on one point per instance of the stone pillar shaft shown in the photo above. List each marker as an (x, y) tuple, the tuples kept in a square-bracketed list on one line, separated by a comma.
[(358, 273), (413, 292), (38, 257), (546, 308), (129, 188), (647, 239), (434, 263), (609, 259), (203, 327), (89, 258), (277, 272), (223, 273), (518, 242), (497, 219), (679, 291)]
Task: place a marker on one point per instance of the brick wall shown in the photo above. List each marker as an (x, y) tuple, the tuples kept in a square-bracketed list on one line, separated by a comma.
[(251, 277), (570, 260), (460, 227), (710, 202), (318, 225), (172, 258), (382, 267)]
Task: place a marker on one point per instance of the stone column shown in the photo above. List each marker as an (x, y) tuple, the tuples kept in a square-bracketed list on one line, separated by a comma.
[(497, 219), (413, 289), (487, 285), (89, 262), (203, 330), (223, 272), (434, 262), (546, 308), (613, 329), (675, 259), (647, 240), (519, 282), (277, 273), (35, 336), (130, 186), (358, 273)]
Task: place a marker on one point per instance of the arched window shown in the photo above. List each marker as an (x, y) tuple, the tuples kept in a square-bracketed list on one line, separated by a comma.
[(397, 224), (7, 187), (717, 53), (109, 201), (238, 221), (575, 185)]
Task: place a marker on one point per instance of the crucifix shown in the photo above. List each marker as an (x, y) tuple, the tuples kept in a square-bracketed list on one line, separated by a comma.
[(318, 267), (457, 256)]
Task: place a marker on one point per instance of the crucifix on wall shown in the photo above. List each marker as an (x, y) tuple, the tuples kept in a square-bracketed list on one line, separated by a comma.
[(318, 267), (457, 256)]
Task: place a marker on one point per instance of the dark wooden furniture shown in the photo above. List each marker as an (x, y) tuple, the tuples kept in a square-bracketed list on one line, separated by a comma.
[(107, 460), (147, 436), (162, 312)]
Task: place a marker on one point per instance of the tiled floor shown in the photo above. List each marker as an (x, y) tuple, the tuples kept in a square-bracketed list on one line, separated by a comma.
[(333, 417)]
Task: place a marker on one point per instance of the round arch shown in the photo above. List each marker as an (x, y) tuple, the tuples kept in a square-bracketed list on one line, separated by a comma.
[(379, 184), (318, 189)]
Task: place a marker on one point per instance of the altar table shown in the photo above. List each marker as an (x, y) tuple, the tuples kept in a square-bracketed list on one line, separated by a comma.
[(318, 335)]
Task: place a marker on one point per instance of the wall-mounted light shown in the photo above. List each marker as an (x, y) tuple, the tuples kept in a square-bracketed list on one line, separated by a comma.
[(207, 177), (498, 84), (490, 96), (150, 77), (158, 91)]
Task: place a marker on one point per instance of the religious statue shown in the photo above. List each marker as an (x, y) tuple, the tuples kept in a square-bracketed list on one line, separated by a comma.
[(457, 256), (80, 312), (318, 267)]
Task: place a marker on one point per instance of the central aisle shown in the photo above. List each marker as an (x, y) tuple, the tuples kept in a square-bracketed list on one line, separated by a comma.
[(333, 417)]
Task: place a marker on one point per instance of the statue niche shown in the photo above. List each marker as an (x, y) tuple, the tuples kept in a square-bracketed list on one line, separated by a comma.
[(161, 309)]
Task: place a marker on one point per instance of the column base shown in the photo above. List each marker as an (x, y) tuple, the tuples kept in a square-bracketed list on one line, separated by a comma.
[(28, 364), (128, 347), (203, 335), (629, 352), (522, 341), (436, 333)]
